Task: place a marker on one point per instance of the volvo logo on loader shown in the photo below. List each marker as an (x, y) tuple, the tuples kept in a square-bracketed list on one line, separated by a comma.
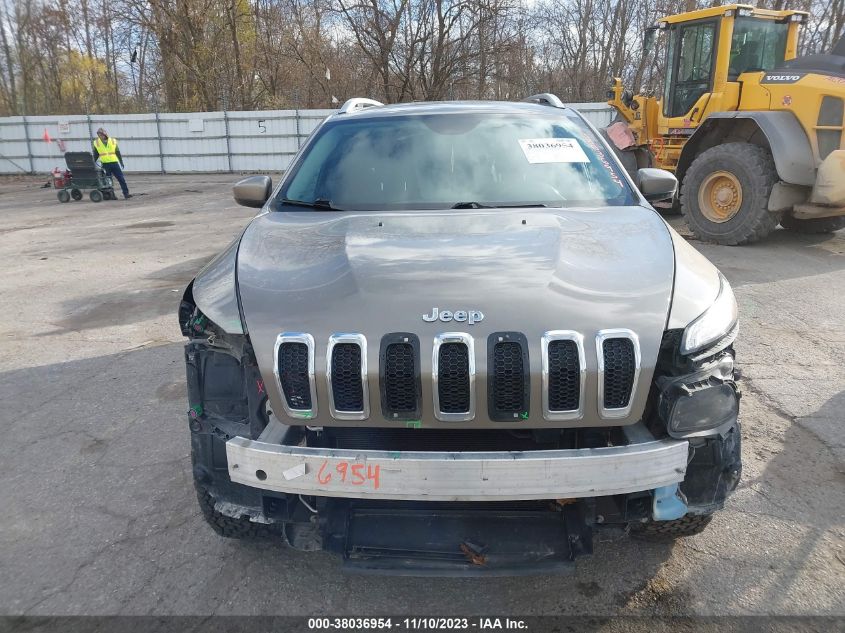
[(461, 316), (782, 79)]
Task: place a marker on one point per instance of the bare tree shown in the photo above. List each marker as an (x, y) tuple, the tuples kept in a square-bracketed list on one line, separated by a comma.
[(63, 56)]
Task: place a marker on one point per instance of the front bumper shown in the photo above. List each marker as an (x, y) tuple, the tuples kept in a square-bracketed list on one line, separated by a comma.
[(643, 464)]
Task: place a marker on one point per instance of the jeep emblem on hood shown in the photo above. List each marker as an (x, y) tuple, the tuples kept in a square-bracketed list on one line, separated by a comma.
[(461, 316)]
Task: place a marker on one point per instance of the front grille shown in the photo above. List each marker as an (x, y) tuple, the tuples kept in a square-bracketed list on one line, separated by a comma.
[(453, 388), (293, 375), (346, 373), (564, 376), (399, 379), (619, 368), (347, 387), (507, 376), (508, 379)]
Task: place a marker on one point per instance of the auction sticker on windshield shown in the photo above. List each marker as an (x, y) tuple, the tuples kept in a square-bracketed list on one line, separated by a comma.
[(553, 150)]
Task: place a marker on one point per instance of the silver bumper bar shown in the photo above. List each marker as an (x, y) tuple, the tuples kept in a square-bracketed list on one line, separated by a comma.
[(450, 476)]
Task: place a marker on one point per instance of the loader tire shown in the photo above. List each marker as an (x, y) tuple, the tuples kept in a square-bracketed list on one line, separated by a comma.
[(725, 194), (813, 225), (230, 527), (688, 525)]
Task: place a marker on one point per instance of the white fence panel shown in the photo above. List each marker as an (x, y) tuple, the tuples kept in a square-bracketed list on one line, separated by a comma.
[(257, 141)]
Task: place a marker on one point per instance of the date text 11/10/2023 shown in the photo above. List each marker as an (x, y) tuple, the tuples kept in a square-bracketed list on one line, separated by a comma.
[(418, 623)]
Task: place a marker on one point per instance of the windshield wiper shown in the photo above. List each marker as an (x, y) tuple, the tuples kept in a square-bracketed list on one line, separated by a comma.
[(478, 205), (319, 203), (470, 205)]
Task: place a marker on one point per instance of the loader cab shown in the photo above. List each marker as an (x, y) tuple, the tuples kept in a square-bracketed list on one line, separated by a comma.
[(690, 65), (708, 50), (756, 45)]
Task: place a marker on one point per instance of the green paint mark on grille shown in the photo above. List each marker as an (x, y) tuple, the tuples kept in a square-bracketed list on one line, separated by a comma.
[(413, 424)]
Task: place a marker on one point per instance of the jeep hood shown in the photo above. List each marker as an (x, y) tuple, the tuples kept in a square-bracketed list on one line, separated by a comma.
[(527, 271)]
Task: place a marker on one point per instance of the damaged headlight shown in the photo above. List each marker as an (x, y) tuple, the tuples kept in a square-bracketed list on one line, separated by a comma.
[(214, 294), (704, 406), (699, 403), (717, 322)]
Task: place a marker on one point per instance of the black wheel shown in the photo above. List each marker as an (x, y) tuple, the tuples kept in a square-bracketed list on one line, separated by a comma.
[(76, 194), (813, 225), (240, 528), (63, 196), (687, 525), (96, 195), (112, 195), (725, 194)]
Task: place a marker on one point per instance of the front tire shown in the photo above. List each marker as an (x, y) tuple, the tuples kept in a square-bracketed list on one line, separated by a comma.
[(813, 225), (688, 525), (230, 527), (96, 195), (725, 194)]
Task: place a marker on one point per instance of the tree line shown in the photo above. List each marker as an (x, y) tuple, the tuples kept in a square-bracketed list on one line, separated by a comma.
[(120, 56)]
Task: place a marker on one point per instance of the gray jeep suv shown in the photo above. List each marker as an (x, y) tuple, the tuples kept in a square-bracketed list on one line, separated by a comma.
[(457, 339)]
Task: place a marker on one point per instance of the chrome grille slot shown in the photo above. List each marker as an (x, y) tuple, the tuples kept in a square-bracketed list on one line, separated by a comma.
[(453, 387), (564, 372), (619, 367), (294, 372), (399, 374), (346, 377), (564, 376), (618, 372), (508, 378), (453, 377)]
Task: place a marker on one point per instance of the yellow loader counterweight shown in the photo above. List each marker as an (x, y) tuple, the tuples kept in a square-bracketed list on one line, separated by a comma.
[(753, 132)]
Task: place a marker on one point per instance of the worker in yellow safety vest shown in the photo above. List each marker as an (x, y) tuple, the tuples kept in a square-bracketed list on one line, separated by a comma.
[(106, 149)]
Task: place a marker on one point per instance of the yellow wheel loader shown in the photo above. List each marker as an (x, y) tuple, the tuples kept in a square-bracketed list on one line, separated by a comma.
[(753, 132)]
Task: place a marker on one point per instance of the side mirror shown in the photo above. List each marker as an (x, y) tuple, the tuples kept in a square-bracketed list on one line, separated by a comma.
[(253, 191), (656, 184)]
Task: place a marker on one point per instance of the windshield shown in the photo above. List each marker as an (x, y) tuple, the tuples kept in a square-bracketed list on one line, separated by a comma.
[(756, 45), (449, 160)]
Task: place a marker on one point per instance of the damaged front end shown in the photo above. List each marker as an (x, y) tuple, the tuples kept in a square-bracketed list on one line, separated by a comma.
[(227, 397), (444, 502), (452, 501), (696, 398)]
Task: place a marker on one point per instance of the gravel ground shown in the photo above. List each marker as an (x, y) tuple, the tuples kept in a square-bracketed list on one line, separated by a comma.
[(99, 512)]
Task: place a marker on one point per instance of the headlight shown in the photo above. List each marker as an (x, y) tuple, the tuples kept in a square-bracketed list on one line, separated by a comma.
[(716, 322), (698, 408)]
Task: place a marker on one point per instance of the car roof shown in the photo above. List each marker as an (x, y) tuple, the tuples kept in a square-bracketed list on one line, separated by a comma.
[(456, 107)]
